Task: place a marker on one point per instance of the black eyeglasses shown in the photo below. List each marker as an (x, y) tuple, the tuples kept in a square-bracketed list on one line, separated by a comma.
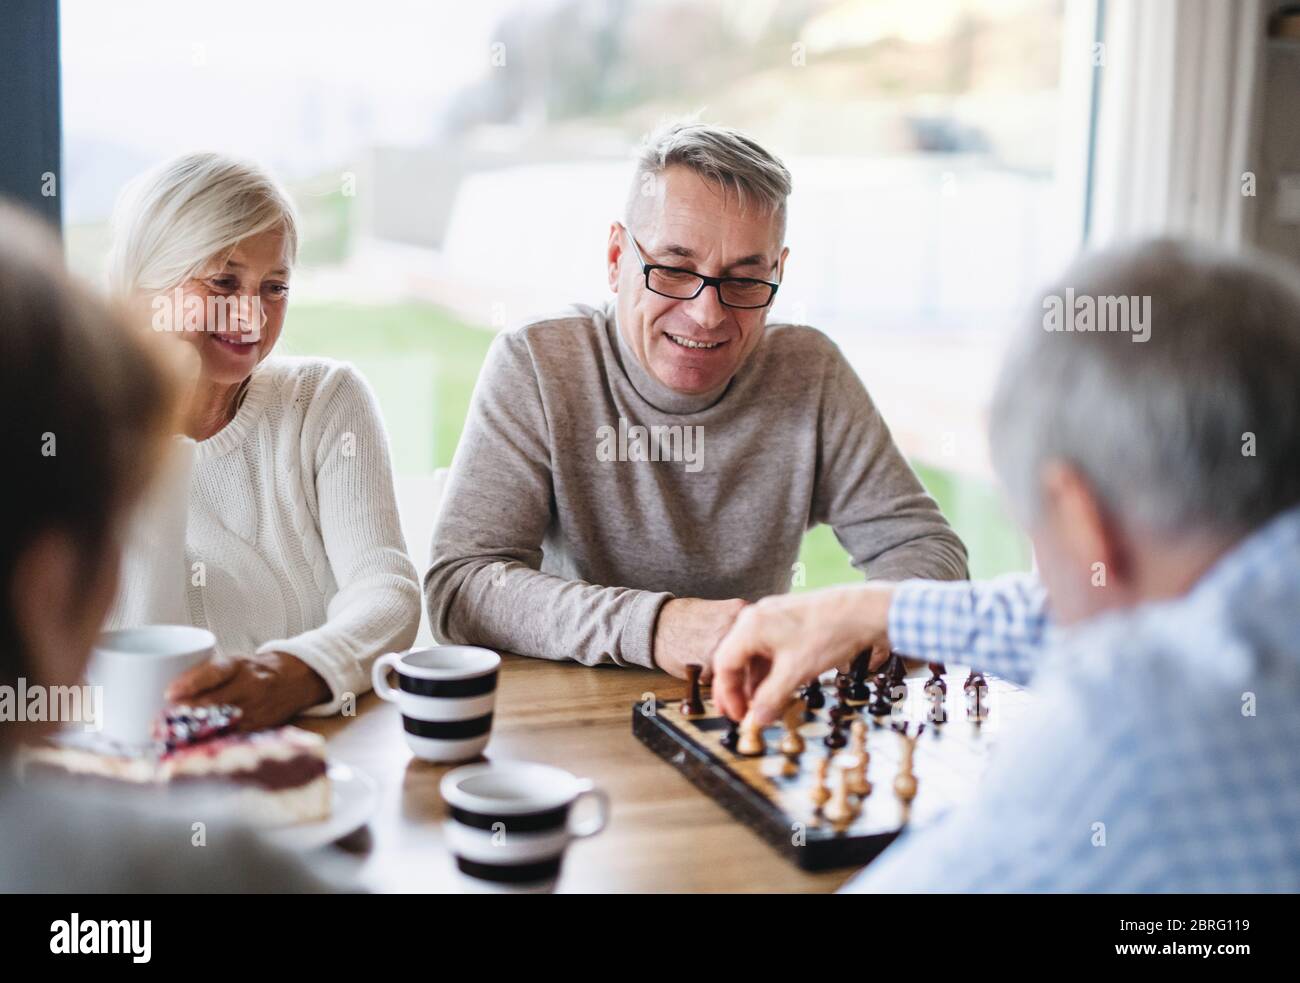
[(742, 293)]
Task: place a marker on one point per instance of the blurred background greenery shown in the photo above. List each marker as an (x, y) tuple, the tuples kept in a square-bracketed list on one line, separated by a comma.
[(422, 362), (929, 193)]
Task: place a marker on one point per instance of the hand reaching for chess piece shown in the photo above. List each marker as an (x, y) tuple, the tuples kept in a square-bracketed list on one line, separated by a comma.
[(779, 643)]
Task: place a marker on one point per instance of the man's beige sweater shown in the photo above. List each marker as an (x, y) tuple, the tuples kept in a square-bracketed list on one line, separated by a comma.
[(584, 493)]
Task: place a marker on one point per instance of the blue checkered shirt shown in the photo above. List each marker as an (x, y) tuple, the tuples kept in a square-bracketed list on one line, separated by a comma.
[(1162, 749)]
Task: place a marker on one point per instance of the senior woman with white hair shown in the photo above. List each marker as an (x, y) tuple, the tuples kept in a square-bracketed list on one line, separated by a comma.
[(280, 531)]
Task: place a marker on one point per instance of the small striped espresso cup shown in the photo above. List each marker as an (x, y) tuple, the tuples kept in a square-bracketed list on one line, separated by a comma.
[(446, 694), (511, 822)]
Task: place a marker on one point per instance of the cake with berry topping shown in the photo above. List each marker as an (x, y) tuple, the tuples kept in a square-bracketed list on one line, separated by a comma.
[(267, 778)]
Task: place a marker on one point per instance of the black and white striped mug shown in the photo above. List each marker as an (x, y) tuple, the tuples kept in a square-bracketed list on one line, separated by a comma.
[(446, 694), (510, 823)]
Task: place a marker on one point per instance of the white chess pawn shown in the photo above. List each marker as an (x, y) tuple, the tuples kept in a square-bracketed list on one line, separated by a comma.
[(840, 810), (905, 781), (792, 744), (856, 772), (750, 743), (820, 793)]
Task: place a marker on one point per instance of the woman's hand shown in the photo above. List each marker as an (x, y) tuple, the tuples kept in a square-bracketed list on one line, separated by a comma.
[(783, 641), (270, 689)]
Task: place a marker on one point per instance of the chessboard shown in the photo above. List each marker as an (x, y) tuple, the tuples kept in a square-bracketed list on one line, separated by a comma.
[(855, 761)]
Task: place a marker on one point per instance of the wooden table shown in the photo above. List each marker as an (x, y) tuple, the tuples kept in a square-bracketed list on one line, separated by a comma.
[(663, 834)]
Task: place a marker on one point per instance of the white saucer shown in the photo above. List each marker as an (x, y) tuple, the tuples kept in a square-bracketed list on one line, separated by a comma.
[(355, 796)]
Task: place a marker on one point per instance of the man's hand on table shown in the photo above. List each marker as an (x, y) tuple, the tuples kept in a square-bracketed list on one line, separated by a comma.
[(270, 689), (688, 630), (778, 644)]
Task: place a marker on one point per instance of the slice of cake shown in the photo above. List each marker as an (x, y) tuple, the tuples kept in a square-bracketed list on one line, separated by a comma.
[(276, 777), (268, 778)]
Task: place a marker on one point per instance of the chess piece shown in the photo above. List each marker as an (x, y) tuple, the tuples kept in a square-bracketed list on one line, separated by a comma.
[(790, 766), (843, 685), (792, 744), (820, 793), (732, 737), (882, 706), (860, 692), (936, 692), (813, 695), (937, 712), (896, 671), (693, 705), (750, 743), (976, 689), (905, 780), (836, 739), (936, 680), (857, 772), (840, 810)]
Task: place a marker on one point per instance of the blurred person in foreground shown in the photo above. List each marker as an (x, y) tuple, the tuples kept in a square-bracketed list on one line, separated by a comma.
[(1160, 485), (85, 411)]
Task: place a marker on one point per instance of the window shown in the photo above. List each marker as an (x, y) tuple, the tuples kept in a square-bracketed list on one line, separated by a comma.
[(938, 153)]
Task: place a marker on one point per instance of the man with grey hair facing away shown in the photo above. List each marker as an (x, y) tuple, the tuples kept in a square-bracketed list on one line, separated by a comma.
[(1160, 485), (631, 475)]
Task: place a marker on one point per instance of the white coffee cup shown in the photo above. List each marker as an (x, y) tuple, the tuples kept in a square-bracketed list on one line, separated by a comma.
[(133, 666), (447, 694), (510, 823)]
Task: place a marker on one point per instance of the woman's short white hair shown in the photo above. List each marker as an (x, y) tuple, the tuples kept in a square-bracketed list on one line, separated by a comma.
[(173, 221)]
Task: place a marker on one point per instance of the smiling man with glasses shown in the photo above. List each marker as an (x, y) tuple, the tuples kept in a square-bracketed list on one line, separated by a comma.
[(632, 474)]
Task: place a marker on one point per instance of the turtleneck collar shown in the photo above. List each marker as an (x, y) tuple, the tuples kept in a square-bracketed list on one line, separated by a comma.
[(650, 389)]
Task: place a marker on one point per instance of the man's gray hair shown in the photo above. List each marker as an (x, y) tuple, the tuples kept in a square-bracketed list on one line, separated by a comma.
[(1197, 426), (720, 154)]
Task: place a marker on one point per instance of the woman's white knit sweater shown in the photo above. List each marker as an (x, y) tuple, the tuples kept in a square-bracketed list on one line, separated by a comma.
[(280, 533)]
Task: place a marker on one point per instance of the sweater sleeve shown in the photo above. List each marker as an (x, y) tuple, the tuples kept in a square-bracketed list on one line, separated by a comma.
[(869, 494), (485, 585), (376, 608)]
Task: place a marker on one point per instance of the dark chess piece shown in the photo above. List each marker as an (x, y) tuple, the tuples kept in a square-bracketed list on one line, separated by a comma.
[(843, 683), (860, 692), (897, 673), (936, 680), (936, 691), (813, 695), (693, 705), (937, 712), (976, 689), (732, 737), (882, 705), (837, 739)]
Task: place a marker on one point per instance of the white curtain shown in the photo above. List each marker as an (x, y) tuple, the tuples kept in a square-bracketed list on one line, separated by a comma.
[(1178, 117)]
